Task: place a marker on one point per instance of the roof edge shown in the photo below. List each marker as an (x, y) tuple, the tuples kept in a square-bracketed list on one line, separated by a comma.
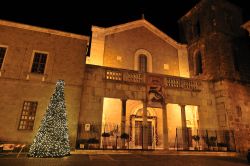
[(191, 10), (140, 22), (43, 30)]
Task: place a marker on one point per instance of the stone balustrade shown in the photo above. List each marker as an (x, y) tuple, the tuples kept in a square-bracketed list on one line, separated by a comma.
[(183, 83), (114, 75), (130, 76), (124, 76)]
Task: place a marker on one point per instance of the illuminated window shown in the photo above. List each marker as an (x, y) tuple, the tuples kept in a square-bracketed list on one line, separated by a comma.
[(28, 115), (39, 62), (143, 63), (198, 64), (2, 54)]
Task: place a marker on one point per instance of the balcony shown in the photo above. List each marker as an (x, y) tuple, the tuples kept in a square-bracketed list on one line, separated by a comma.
[(125, 76), (129, 76)]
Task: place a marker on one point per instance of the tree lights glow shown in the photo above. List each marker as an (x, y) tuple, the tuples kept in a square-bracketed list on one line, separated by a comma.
[(52, 139)]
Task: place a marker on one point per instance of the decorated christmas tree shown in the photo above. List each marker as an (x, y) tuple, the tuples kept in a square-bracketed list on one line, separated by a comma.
[(52, 139)]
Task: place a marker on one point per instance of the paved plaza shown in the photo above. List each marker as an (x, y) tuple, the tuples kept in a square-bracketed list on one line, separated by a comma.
[(125, 160)]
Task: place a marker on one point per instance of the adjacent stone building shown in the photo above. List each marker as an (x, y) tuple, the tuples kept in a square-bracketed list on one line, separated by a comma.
[(32, 60), (219, 52), (136, 80)]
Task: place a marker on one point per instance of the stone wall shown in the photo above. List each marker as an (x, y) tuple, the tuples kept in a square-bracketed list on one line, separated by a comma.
[(120, 49), (66, 60), (213, 27), (225, 50), (210, 16), (217, 62), (232, 102), (16, 92)]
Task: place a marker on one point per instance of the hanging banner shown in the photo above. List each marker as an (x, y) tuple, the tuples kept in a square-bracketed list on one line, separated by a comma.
[(155, 96)]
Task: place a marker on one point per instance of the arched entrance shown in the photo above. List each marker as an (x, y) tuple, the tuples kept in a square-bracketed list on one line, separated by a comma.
[(136, 129)]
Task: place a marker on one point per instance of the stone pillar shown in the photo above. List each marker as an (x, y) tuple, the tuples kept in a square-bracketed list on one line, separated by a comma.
[(123, 119), (145, 126), (123, 116), (184, 126), (165, 126)]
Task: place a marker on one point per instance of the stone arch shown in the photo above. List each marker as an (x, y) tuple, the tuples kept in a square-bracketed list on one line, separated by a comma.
[(139, 108), (198, 67)]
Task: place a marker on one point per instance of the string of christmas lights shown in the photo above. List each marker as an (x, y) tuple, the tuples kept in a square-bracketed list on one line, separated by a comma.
[(52, 139)]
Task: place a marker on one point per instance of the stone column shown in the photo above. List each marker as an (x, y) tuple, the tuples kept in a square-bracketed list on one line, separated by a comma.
[(123, 119), (165, 126), (123, 116), (184, 126), (145, 126)]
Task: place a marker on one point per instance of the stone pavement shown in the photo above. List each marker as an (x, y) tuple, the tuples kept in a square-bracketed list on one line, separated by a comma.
[(128, 158), (156, 152)]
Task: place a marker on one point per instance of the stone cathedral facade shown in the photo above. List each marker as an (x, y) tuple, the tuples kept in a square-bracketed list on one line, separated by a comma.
[(135, 80)]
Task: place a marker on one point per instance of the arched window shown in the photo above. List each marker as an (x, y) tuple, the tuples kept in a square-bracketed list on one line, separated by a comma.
[(142, 63), (235, 59), (198, 64), (197, 29)]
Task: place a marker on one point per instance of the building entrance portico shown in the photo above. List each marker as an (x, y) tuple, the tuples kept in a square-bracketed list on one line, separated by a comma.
[(151, 111), (137, 130), (127, 116), (159, 132)]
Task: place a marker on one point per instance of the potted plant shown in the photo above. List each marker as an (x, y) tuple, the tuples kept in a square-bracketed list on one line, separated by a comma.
[(105, 135), (196, 138), (212, 143), (222, 146), (81, 143), (124, 137), (93, 143)]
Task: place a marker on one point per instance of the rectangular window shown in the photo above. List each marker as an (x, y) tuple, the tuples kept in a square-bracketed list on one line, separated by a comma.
[(2, 54), (39, 62), (28, 115)]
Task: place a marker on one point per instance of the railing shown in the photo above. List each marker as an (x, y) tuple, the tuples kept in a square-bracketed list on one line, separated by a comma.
[(175, 82), (204, 140), (114, 138), (114, 75), (15, 148), (192, 139), (125, 76), (136, 77)]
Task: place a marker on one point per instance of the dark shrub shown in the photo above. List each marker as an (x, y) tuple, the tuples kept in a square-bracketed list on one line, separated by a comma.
[(104, 134), (124, 136), (93, 141)]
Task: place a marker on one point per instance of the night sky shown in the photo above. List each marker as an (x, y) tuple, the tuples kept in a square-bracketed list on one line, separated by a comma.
[(77, 17)]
